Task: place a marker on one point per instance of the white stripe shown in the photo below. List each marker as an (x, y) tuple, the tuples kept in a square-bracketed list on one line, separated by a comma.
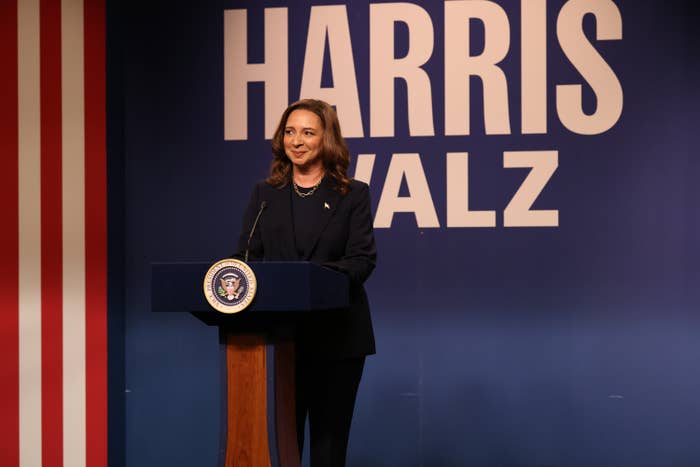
[(29, 178), (73, 119)]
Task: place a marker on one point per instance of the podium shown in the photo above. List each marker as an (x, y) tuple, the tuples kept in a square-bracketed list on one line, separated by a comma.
[(257, 349)]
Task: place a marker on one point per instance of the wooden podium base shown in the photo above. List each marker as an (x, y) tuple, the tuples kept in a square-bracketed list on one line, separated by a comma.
[(261, 418)]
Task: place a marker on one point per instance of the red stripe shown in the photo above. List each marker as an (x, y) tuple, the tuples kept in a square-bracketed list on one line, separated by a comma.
[(9, 239), (96, 233), (51, 236)]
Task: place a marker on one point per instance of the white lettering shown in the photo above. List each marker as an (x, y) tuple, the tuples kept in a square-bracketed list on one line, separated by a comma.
[(533, 86), (332, 20), (458, 213), (238, 72), (418, 202), (385, 68), (594, 69), (518, 213), (364, 167), (460, 65)]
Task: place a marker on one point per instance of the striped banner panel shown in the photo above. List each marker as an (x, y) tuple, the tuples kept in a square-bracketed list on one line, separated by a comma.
[(53, 262)]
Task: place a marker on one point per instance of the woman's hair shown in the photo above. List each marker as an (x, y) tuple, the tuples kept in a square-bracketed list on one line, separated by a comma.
[(333, 152)]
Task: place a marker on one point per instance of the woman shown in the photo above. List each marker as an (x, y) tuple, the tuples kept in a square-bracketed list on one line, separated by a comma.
[(314, 212)]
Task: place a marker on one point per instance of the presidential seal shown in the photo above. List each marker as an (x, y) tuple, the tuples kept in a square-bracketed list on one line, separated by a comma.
[(229, 285)]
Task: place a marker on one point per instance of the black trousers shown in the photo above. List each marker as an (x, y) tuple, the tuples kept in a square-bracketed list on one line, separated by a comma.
[(326, 392)]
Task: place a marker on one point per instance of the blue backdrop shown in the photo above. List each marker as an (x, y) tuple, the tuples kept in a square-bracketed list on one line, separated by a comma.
[(569, 345)]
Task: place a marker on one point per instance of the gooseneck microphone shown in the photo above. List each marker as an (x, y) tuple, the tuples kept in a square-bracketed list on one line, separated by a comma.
[(252, 230)]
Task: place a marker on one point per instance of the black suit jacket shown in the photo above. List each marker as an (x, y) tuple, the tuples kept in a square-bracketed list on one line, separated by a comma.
[(344, 241)]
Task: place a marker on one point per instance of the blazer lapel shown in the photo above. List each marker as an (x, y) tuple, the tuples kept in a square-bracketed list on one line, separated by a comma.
[(327, 199)]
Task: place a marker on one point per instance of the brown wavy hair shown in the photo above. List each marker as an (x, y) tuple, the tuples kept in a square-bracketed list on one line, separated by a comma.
[(334, 152)]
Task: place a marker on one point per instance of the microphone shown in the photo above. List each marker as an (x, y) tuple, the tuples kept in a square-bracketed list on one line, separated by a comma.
[(252, 231)]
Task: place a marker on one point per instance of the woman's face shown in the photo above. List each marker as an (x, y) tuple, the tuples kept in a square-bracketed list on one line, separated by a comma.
[(303, 140)]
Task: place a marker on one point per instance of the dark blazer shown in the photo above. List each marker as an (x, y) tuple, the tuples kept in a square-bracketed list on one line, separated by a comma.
[(345, 242)]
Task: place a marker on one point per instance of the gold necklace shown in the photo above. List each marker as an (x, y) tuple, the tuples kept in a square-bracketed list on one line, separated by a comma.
[(313, 189)]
